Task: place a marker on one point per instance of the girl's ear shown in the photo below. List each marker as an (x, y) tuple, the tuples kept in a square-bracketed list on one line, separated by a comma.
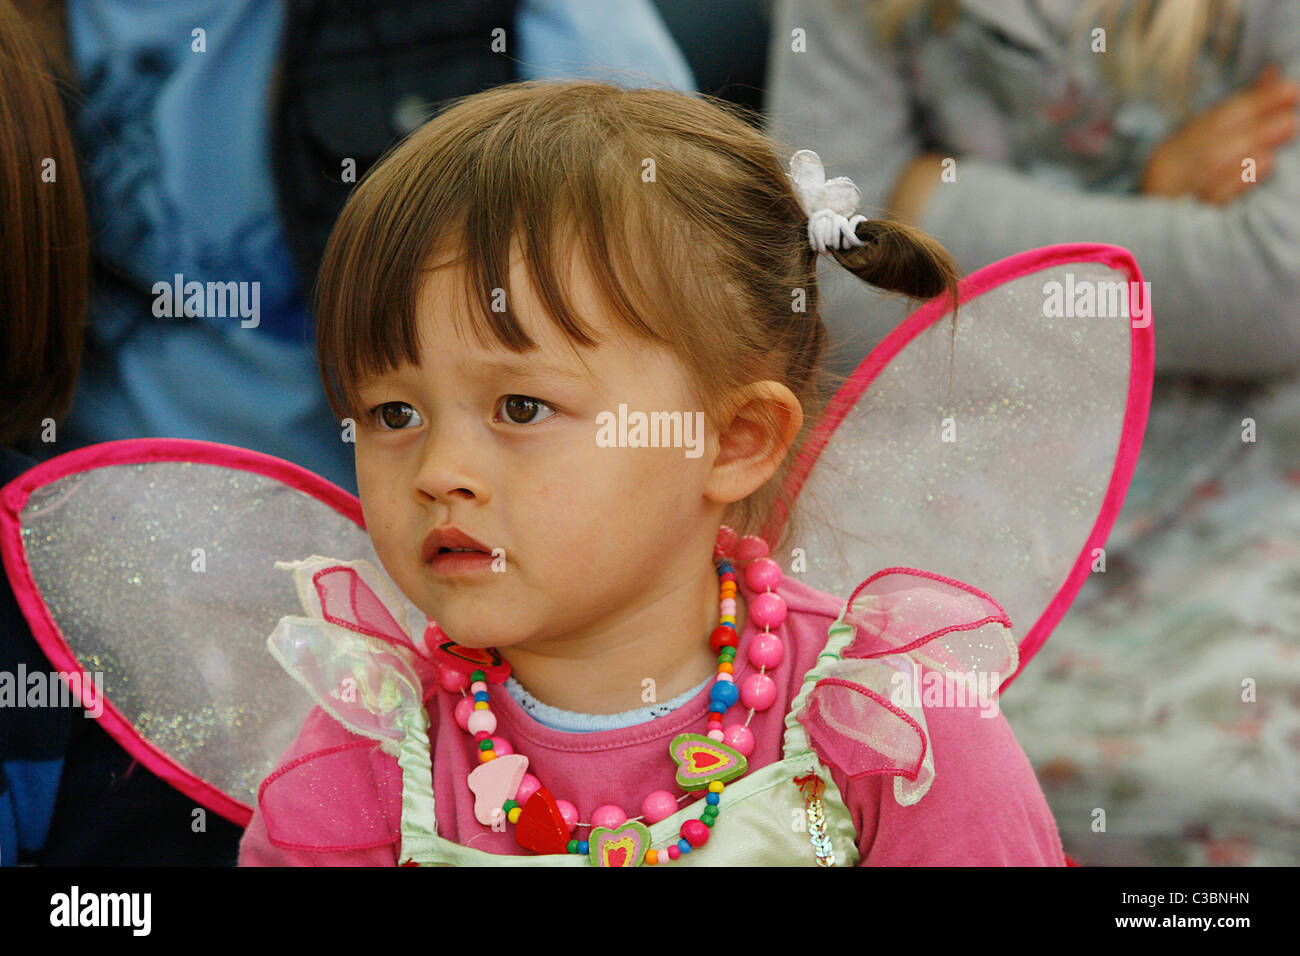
[(752, 443)]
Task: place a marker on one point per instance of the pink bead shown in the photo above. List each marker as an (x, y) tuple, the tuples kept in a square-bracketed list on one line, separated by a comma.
[(464, 707), (763, 574), (501, 746), (478, 687), (726, 539), (727, 606), (767, 610), (568, 811), (739, 737), (695, 832), (529, 786), (726, 678), (758, 691), (766, 650), (750, 548), (608, 816), (483, 720), (453, 682), (716, 735), (657, 806), (674, 851)]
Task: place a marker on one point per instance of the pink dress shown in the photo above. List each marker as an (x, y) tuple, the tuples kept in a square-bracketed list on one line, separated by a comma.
[(335, 799)]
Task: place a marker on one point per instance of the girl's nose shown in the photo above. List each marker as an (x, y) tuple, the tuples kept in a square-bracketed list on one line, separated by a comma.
[(444, 473)]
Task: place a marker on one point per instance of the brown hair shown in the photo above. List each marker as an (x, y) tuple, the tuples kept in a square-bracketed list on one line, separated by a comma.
[(685, 217), (42, 239)]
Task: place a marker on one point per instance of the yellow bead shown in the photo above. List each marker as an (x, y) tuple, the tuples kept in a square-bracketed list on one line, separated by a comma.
[(717, 786), (727, 619), (513, 815), (480, 705), (485, 755)]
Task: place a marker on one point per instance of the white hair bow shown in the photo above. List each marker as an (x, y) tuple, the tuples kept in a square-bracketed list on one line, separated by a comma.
[(829, 205)]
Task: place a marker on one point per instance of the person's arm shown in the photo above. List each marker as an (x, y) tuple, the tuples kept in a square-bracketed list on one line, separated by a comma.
[(625, 43), (984, 807), (1225, 280), (256, 849), (332, 790)]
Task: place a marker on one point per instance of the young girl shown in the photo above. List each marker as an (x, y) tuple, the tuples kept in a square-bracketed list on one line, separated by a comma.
[(577, 330)]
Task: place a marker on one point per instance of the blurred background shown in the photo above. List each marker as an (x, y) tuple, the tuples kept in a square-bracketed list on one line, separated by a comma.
[(1169, 696)]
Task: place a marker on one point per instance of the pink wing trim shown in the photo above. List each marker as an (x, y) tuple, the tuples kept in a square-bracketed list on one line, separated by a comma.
[(135, 451), (1141, 374)]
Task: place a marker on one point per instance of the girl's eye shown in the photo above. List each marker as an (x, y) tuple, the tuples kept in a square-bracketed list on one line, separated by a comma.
[(396, 415), (522, 410)]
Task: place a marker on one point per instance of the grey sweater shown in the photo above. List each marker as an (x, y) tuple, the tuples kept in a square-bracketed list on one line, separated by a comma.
[(1046, 153)]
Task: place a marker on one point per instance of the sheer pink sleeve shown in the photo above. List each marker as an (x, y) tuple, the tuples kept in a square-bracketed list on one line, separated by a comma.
[(334, 800)]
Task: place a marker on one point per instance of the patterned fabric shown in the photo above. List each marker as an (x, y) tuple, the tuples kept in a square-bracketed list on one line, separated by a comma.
[(1140, 704)]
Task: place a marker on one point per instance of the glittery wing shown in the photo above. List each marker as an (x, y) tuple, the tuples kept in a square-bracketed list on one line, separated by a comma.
[(152, 563), (998, 455)]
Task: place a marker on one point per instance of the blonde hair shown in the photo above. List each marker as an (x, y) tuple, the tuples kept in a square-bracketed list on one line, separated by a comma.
[(1157, 42), (686, 219)]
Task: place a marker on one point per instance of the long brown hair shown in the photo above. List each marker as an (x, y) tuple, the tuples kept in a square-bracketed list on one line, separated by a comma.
[(685, 217), (42, 238)]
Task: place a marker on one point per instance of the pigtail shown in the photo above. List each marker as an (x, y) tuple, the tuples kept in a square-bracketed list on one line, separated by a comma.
[(900, 258)]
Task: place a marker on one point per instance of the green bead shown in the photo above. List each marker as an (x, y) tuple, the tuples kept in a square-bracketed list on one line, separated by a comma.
[(477, 675), (709, 821), (709, 817), (727, 654), (571, 847), (485, 745), (509, 805)]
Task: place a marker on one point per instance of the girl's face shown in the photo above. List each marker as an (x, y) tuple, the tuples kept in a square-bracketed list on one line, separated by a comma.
[(507, 449)]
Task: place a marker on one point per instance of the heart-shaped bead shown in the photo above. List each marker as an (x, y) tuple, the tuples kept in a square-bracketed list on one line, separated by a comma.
[(495, 782), (541, 827), (450, 656), (701, 760), (622, 846)]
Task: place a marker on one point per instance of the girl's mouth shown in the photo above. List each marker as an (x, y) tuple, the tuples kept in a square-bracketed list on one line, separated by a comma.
[(456, 561)]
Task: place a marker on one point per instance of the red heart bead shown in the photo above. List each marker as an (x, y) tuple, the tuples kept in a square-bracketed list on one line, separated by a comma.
[(541, 827)]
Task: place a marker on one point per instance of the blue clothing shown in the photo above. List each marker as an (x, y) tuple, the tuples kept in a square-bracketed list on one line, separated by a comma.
[(571, 721), (175, 129), (32, 739)]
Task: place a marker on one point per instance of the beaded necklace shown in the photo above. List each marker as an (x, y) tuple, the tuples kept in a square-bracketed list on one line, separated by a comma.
[(505, 792)]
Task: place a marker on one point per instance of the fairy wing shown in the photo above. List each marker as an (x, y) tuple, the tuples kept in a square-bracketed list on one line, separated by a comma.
[(153, 563), (997, 452)]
